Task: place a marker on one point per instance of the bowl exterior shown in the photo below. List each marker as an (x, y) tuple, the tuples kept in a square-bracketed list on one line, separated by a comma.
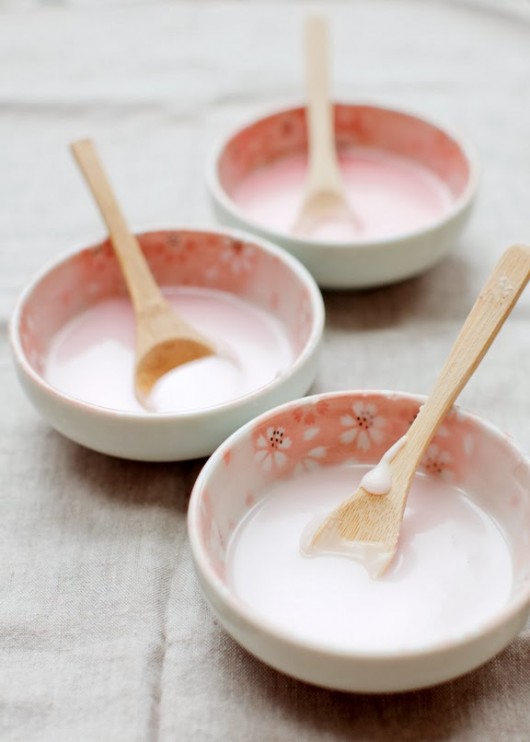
[(365, 674), (164, 437), (365, 265)]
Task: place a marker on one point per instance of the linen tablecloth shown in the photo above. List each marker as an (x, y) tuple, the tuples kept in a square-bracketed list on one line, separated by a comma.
[(104, 634)]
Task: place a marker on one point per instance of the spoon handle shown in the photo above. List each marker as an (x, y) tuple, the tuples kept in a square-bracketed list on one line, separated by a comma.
[(324, 171), (493, 305), (142, 287)]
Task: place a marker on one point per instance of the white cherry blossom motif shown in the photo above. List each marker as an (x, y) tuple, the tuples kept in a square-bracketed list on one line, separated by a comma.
[(238, 256), (311, 460), (271, 448), (365, 426), (438, 462), (313, 457)]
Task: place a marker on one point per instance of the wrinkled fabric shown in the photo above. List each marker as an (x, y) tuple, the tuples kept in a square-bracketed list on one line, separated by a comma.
[(104, 634)]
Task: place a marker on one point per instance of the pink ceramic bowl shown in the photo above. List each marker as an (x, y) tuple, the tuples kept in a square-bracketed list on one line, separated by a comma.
[(355, 264), (358, 426), (244, 265)]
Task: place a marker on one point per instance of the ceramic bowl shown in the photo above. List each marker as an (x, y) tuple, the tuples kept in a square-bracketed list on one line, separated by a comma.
[(360, 263), (467, 450), (246, 266)]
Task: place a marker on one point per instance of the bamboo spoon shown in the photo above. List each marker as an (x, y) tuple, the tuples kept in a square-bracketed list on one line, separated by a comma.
[(325, 199), (163, 340), (370, 523)]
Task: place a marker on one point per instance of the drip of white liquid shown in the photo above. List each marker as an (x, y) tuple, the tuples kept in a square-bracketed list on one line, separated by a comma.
[(378, 481)]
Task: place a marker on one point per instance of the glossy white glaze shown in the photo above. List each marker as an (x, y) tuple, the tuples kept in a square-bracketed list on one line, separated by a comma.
[(378, 481), (453, 571)]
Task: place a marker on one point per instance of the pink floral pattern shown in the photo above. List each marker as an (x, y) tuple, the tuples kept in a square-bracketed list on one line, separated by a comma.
[(271, 448), (365, 426), (335, 431), (312, 458), (438, 462), (310, 433), (239, 257)]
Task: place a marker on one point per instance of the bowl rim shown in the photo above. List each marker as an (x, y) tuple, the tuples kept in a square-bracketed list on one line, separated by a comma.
[(299, 271), (221, 197), (265, 626)]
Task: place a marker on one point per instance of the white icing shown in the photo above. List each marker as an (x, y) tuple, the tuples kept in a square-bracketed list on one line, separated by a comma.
[(452, 573), (378, 480)]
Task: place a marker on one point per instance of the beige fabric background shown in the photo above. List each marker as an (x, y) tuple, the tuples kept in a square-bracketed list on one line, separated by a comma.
[(103, 632)]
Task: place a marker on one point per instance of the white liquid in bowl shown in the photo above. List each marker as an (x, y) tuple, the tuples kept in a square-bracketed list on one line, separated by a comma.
[(391, 195), (453, 571), (92, 356)]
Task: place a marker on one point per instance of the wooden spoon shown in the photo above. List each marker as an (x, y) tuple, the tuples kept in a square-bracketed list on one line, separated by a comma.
[(325, 198), (163, 340), (372, 522)]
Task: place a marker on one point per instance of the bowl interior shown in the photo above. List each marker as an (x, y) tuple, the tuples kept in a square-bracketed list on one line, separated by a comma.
[(359, 428), (284, 133), (176, 258)]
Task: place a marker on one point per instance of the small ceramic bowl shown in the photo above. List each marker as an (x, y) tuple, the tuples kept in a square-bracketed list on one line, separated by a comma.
[(467, 450), (243, 265), (360, 263)]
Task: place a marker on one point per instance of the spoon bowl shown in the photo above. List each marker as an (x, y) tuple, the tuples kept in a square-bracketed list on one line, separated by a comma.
[(323, 208), (164, 342)]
